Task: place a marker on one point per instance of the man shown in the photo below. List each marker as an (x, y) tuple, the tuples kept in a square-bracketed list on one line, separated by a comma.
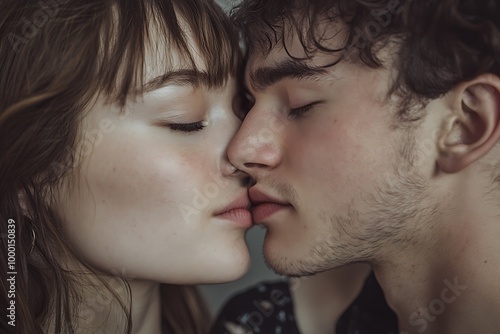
[(373, 138)]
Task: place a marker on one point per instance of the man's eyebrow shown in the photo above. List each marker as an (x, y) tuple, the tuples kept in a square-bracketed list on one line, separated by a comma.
[(266, 76), (183, 77)]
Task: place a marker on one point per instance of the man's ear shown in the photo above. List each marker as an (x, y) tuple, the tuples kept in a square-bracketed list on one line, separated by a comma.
[(473, 127)]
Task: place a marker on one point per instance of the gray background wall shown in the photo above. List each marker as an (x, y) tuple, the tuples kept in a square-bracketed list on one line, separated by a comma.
[(227, 4)]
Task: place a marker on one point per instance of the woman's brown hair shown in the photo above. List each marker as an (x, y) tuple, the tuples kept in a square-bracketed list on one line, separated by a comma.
[(56, 57)]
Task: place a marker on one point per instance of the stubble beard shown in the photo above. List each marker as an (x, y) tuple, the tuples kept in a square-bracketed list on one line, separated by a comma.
[(372, 228)]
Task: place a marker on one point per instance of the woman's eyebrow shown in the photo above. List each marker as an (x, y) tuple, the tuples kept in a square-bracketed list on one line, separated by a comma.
[(266, 76), (182, 77)]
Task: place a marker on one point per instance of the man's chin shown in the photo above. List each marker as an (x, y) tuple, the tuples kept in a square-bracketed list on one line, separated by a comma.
[(283, 264)]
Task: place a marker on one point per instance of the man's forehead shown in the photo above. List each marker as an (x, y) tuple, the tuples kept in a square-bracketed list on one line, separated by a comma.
[(292, 48), (278, 53), (263, 71)]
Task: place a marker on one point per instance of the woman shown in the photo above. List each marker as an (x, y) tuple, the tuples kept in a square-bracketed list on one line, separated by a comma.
[(114, 121)]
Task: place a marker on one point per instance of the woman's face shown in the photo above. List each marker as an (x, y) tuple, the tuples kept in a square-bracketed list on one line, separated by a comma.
[(153, 182)]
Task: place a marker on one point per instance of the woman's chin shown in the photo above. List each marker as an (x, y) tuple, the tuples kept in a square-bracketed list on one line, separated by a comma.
[(227, 268)]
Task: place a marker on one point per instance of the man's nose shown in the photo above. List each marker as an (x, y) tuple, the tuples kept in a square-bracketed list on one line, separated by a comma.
[(257, 144)]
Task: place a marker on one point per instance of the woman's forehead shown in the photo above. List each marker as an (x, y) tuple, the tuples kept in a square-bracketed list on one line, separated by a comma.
[(163, 55)]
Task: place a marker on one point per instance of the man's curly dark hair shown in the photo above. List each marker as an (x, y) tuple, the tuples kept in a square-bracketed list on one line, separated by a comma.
[(441, 42)]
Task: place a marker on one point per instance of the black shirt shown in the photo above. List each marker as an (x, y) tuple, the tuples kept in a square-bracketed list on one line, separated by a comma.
[(267, 308)]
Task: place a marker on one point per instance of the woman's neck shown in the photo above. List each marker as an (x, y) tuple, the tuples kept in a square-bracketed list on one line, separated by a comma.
[(100, 312), (146, 309)]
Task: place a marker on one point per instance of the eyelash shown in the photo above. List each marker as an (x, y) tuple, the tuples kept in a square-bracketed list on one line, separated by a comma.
[(301, 111), (186, 127)]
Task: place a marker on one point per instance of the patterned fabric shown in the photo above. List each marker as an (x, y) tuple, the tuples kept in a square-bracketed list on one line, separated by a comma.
[(267, 308)]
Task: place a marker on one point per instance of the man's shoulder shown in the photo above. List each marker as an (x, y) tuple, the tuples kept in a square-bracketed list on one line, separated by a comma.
[(258, 308), (263, 297), (266, 289)]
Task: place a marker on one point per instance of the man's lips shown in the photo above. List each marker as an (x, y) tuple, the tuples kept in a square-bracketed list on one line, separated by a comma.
[(264, 205), (262, 211)]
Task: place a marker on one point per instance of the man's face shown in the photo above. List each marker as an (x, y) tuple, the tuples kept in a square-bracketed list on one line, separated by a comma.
[(337, 181)]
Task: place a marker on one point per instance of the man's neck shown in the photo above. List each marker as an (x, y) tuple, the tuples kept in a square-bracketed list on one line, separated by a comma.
[(452, 284)]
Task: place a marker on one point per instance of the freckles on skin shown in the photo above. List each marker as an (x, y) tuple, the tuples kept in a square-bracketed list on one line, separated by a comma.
[(327, 141), (140, 222), (134, 187), (343, 141), (139, 178)]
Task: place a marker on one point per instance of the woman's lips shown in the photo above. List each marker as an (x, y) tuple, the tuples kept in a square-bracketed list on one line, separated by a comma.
[(241, 216), (238, 212)]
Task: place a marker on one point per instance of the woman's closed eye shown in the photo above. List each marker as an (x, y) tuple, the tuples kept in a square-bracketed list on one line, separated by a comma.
[(183, 127)]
